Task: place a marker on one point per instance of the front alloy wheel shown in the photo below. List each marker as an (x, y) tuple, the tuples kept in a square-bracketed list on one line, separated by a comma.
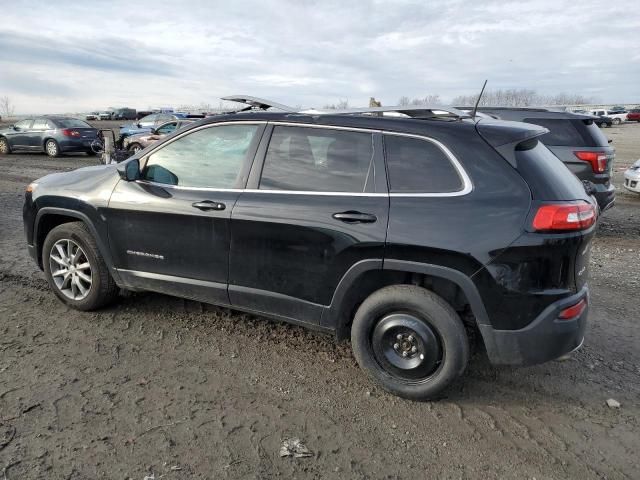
[(4, 146), (70, 269), (75, 269)]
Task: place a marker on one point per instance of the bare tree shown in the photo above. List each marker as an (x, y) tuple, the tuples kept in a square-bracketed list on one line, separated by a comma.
[(341, 105), (6, 107), (405, 101), (519, 98)]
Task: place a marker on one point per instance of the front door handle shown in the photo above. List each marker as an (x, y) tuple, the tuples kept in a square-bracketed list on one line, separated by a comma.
[(355, 217), (209, 205)]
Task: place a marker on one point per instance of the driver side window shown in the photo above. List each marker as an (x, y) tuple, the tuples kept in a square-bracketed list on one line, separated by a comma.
[(24, 124), (211, 157)]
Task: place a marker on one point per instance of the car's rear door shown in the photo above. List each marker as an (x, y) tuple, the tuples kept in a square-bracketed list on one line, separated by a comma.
[(316, 204), (37, 132), (169, 231)]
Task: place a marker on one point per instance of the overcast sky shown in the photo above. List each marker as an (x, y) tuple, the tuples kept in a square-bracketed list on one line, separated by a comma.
[(80, 56)]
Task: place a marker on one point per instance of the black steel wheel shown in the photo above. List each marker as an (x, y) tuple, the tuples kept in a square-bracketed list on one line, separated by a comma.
[(410, 341)]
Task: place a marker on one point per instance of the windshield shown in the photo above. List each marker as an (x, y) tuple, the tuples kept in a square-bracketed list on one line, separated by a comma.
[(72, 123)]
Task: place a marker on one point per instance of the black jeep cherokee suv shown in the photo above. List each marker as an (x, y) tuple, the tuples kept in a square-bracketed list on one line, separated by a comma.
[(407, 234)]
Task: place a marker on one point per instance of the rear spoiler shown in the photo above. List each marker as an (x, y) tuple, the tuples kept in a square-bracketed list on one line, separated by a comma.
[(505, 136)]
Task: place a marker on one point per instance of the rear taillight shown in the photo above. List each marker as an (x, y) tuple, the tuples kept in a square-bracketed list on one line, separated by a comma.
[(564, 216), (69, 132), (573, 311), (598, 160)]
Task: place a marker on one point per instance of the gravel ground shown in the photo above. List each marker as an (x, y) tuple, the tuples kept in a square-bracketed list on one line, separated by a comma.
[(161, 387)]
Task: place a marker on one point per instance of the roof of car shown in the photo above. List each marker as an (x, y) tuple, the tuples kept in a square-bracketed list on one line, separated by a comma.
[(445, 129)]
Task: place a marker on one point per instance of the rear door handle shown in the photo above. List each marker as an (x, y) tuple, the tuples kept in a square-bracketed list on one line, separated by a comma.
[(355, 217), (209, 205)]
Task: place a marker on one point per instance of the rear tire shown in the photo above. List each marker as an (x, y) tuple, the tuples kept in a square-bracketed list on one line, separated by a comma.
[(75, 269), (52, 148), (134, 147), (410, 341), (617, 121), (5, 149)]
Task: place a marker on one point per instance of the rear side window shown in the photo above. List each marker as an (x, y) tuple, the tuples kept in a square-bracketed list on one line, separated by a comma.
[(419, 166), (317, 160), (569, 132), (72, 123), (212, 157), (40, 124)]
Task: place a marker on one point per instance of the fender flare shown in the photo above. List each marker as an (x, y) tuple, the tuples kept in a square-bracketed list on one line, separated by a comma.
[(102, 247), (331, 314)]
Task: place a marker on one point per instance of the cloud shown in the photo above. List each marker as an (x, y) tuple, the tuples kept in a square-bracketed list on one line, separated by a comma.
[(306, 52)]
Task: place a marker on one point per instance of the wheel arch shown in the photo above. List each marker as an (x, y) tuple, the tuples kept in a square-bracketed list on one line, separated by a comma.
[(367, 276), (48, 218)]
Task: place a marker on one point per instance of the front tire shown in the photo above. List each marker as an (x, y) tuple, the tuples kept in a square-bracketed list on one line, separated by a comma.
[(75, 269), (52, 148), (5, 149), (410, 341)]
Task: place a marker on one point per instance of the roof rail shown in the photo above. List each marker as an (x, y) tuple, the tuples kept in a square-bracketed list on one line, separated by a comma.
[(415, 111), (259, 103)]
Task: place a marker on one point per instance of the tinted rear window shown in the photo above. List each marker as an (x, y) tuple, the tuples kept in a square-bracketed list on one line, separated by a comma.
[(547, 176), (72, 123), (419, 166), (570, 133)]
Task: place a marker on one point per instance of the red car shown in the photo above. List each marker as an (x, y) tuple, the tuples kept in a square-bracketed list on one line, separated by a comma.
[(633, 115)]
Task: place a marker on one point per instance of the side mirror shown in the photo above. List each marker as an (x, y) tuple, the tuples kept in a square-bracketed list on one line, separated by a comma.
[(14, 127), (139, 125), (129, 171), (153, 131)]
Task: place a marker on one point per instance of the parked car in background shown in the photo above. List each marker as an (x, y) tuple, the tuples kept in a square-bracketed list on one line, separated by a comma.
[(92, 116), (105, 115), (617, 109), (616, 118), (633, 115), (632, 178), (411, 236), (143, 113), (52, 134), (124, 114), (135, 143), (144, 125), (574, 139), (602, 121)]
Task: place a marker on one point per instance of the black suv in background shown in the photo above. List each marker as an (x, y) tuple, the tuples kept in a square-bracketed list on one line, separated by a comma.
[(408, 235), (576, 140)]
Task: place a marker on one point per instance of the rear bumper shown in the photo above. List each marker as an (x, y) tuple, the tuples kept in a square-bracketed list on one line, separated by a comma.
[(605, 195), (80, 145), (546, 338)]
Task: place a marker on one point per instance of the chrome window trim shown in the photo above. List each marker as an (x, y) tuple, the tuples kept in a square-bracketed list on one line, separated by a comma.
[(466, 181), (180, 187)]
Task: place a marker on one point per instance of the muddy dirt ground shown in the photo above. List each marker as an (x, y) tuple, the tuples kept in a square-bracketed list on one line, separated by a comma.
[(158, 387)]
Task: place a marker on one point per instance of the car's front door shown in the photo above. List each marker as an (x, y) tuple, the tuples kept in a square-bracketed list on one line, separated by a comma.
[(18, 136), (169, 231), (316, 206)]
